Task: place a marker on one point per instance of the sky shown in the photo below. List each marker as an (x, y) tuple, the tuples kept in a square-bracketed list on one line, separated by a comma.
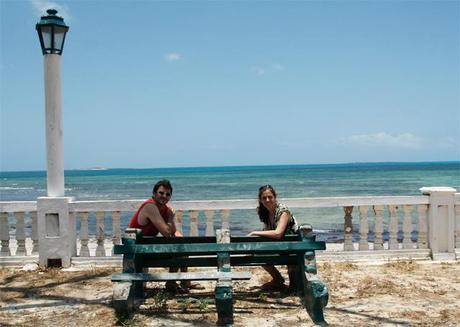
[(211, 83)]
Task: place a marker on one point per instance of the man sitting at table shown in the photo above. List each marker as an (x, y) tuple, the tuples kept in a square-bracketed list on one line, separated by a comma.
[(155, 216)]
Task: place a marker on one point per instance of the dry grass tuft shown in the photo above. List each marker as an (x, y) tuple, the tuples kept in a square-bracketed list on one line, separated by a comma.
[(450, 315), (405, 266), (417, 315), (326, 267), (370, 286)]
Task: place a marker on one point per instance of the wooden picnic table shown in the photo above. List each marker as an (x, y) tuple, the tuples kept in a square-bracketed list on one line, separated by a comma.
[(222, 253)]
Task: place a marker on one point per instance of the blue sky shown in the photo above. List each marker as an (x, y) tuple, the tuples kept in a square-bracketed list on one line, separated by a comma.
[(201, 83)]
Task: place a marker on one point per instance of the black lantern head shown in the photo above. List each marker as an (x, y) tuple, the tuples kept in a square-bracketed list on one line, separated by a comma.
[(51, 31)]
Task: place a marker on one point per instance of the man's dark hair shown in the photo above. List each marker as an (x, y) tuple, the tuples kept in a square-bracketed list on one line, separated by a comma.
[(165, 183)]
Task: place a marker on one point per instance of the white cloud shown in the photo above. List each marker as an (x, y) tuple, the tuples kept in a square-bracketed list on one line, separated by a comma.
[(267, 69), (404, 140), (277, 67), (258, 70), (40, 7), (173, 57)]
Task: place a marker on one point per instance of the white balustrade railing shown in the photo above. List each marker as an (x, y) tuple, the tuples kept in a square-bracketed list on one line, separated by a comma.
[(15, 219), (18, 221)]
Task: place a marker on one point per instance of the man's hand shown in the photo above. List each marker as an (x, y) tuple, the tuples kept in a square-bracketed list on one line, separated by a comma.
[(171, 228)]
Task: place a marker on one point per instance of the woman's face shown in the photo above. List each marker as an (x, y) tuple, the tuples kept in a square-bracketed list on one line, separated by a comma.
[(268, 199)]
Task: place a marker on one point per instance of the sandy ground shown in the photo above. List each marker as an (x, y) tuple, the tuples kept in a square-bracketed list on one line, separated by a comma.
[(404, 293)]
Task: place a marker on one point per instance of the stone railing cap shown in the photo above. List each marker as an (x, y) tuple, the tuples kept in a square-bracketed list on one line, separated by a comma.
[(437, 189)]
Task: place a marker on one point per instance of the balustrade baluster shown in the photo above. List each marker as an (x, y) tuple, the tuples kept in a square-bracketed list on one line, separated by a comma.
[(393, 228), (225, 214), (116, 235), (193, 223), (457, 226), (4, 234), (378, 228), (84, 249), (100, 236), (34, 236), (348, 229), (178, 221), (407, 227), (422, 239), (363, 228), (20, 233), (209, 222)]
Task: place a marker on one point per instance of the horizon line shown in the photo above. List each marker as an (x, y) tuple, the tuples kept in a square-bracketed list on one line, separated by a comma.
[(102, 168)]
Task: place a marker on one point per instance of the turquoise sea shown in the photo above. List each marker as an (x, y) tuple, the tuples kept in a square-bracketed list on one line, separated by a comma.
[(203, 183)]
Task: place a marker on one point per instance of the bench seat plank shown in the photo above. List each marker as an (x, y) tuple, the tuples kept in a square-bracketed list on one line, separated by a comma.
[(210, 261), (162, 277)]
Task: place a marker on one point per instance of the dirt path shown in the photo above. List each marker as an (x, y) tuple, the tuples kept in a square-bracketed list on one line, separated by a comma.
[(391, 294)]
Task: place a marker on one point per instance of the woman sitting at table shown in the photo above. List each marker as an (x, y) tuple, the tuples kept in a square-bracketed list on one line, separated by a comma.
[(278, 221)]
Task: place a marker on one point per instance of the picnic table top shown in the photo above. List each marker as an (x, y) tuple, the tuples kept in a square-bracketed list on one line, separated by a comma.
[(235, 247)]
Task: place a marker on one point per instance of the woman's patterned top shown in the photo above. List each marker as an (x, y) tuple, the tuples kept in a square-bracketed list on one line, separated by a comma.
[(292, 226)]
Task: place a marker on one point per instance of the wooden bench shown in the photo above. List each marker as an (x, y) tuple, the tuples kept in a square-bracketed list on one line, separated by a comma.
[(221, 252)]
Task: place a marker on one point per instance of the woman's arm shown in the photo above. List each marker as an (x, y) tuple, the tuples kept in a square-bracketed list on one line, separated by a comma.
[(278, 232)]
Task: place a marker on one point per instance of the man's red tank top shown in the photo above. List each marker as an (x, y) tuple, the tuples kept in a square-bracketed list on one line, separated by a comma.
[(149, 229)]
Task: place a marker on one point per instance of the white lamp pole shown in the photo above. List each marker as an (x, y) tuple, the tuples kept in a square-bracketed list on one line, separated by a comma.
[(56, 228), (52, 31)]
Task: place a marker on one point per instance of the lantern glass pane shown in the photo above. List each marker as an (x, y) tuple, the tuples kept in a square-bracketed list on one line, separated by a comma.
[(59, 33), (46, 35)]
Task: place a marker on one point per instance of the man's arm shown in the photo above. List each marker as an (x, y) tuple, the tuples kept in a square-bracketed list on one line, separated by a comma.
[(153, 214), (171, 221)]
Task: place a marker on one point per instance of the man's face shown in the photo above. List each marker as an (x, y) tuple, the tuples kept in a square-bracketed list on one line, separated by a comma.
[(162, 195)]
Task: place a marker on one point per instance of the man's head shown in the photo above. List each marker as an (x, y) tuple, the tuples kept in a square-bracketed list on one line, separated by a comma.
[(162, 191)]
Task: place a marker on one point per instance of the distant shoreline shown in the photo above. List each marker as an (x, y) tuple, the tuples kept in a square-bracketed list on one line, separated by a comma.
[(274, 166)]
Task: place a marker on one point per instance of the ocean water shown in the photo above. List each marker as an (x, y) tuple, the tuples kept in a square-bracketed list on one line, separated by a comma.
[(357, 179)]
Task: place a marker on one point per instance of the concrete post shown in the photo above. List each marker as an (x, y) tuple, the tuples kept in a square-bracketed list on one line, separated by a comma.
[(54, 135), (441, 222), (56, 232)]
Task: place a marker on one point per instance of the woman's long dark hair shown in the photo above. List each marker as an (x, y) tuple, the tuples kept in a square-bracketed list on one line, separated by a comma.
[(261, 210)]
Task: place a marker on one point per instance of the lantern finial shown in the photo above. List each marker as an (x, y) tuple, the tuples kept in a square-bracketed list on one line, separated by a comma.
[(51, 11)]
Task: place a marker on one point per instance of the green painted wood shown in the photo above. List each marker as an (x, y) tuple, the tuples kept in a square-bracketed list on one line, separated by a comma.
[(224, 303), (310, 262), (223, 291), (123, 300), (223, 261), (262, 259), (132, 235), (317, 298), (133, 264), (253, 239), (163, 277), (211, 239), (211, 261), (296, 251), (220, 247), (315, 293), (177, 240)]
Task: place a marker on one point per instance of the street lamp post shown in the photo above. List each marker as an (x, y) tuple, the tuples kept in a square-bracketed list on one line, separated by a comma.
[(51, 32), (56, 227)]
